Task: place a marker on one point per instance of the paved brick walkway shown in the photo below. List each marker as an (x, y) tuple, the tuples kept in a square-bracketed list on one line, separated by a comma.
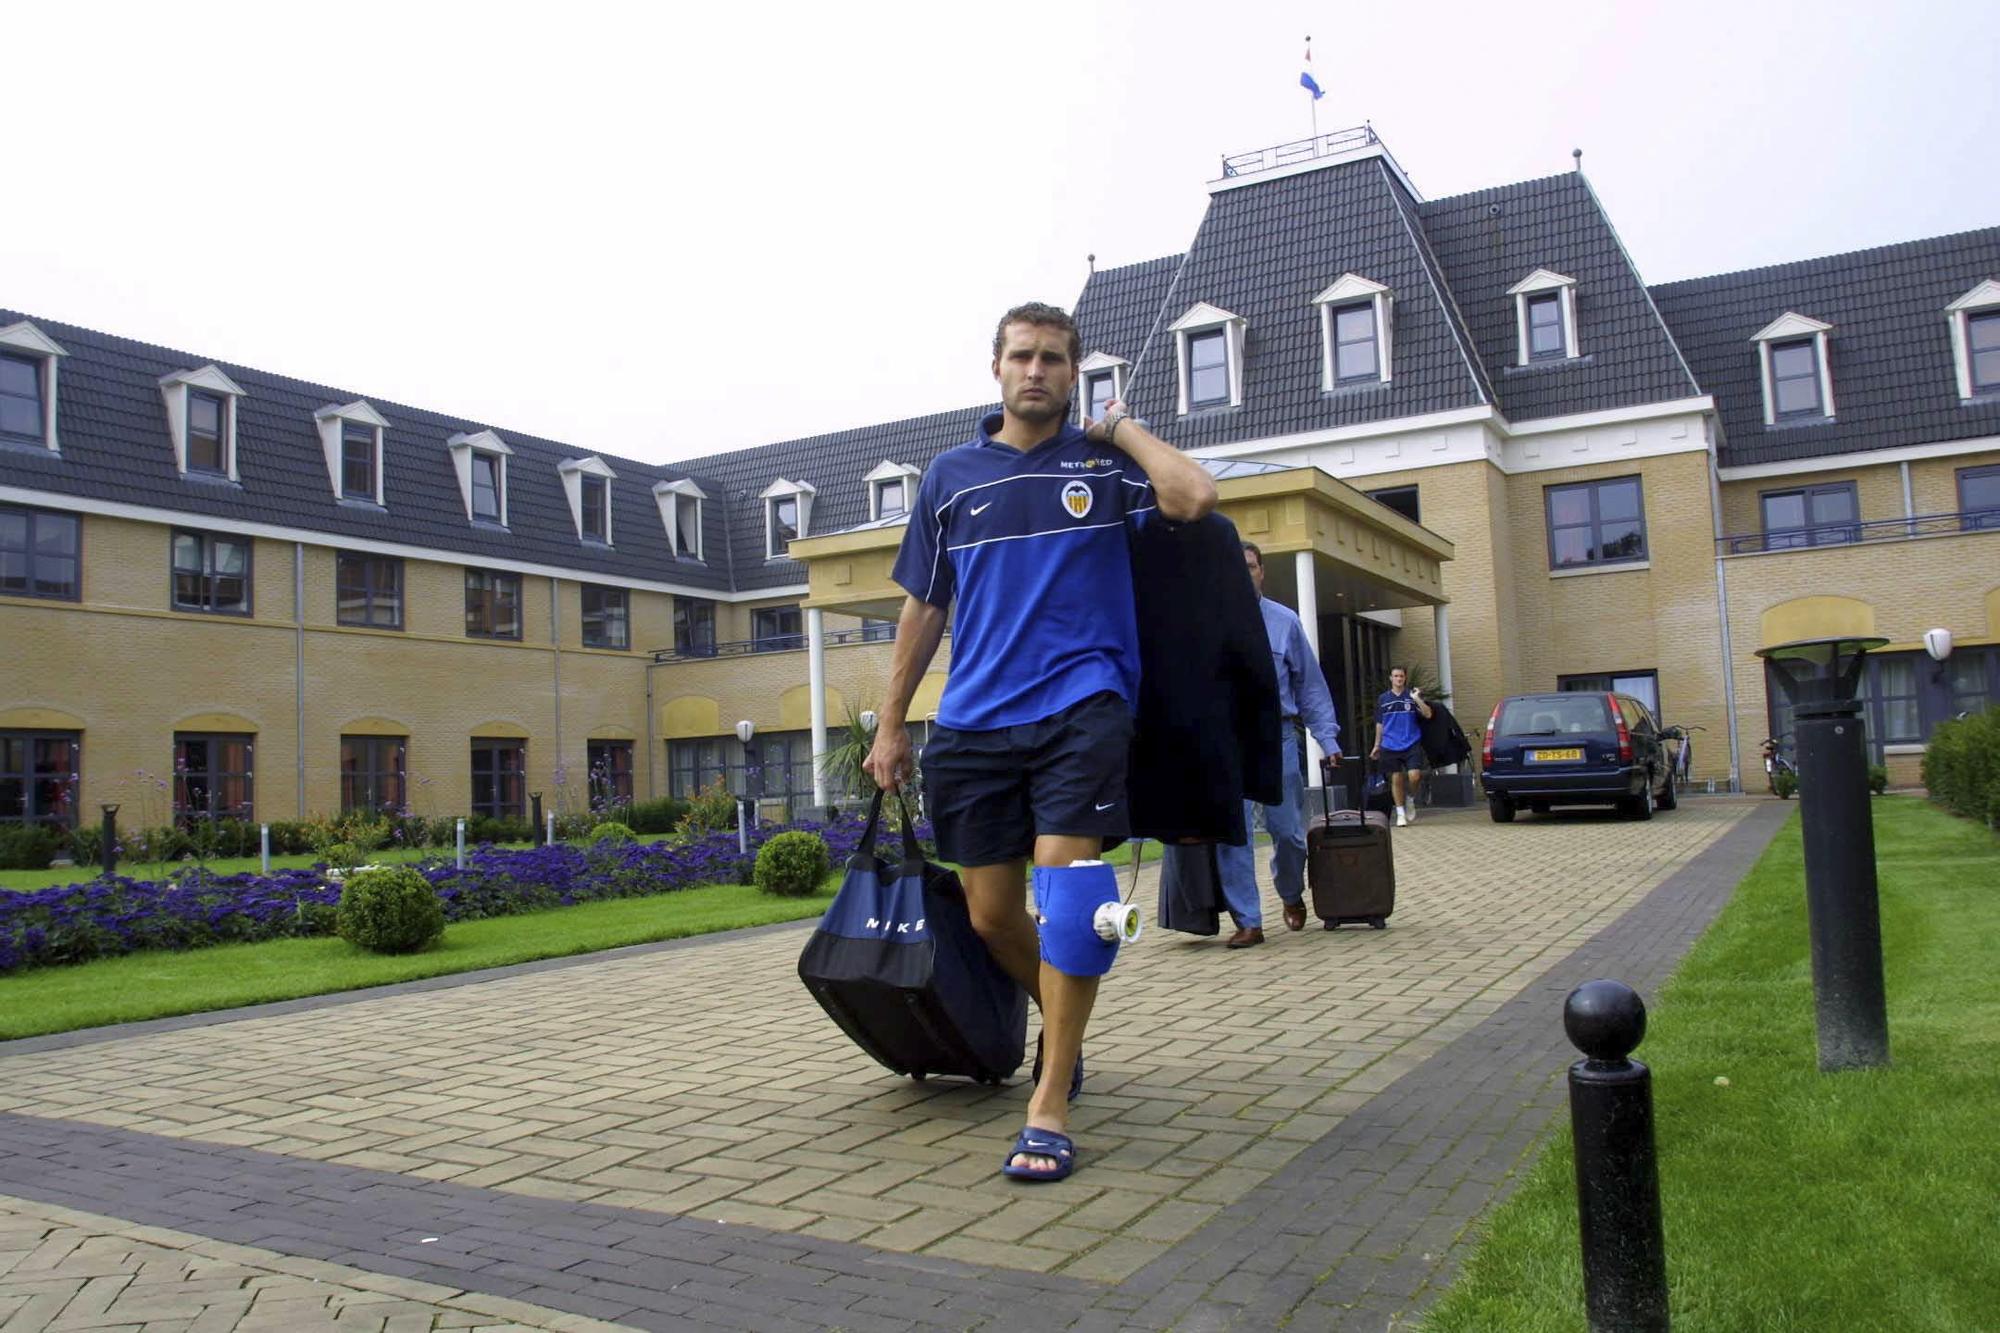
[(676, 1137)]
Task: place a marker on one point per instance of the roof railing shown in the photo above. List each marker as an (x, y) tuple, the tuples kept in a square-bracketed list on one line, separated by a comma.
[(1847, 534), (1335, 143)]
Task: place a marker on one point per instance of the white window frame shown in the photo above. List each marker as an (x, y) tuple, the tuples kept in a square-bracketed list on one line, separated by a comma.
[(667, 495), (24, 339), (1791, 327), (573, 471), (332, 420), (780, 489), (884, 472), (463, 446), (1202, 318), (1979, 301), (1541, 281), (210, 379), (1352, 289), (1099, 363)]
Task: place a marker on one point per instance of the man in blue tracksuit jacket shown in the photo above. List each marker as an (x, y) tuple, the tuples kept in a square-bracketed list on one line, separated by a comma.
[(1025, 528)]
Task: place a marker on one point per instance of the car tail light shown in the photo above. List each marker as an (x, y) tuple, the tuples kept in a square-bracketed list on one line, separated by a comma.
[(1624, 732), (1486, 747)]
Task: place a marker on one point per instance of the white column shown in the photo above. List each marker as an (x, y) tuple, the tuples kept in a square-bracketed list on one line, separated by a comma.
[(1441, 616), (816, 682), (1302, 568)]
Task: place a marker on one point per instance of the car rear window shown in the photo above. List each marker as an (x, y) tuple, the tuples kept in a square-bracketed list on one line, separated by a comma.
[(1554, 717)]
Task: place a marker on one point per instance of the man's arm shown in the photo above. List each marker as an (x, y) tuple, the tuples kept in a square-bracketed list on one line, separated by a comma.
[(1423, 709), (1182, 487), (1309, 688), (919, 630)]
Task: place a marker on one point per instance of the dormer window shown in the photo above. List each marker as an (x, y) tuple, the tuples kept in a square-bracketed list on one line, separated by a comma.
[(1798, 382), (1544, 317), (587, 484), (1209, 341), (28, 386), (481, 463), (892, 489), (1354, 332), (680, 513), (1103, 380), (201, 418), (351, 436), (1975, 340), (787, 515)]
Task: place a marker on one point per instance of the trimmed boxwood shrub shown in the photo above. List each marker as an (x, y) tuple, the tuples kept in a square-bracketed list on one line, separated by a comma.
[(611, 833), (391, 909), (30, 846), (792, 864), (658, 816), (1962, 765)]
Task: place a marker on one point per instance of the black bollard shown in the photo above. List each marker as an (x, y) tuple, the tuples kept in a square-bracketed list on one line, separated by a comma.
[(1843, 911), (535, 838), (108, 851), (1617, 1171)]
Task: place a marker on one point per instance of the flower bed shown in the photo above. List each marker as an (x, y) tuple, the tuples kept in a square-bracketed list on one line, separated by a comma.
[(105, 917)]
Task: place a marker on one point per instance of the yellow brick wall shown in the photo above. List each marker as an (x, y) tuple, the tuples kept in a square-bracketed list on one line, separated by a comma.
[(1878, 490), (1934, 481)]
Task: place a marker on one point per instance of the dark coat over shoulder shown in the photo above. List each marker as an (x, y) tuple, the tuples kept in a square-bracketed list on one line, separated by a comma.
[(1208, 719), (1444, 743)]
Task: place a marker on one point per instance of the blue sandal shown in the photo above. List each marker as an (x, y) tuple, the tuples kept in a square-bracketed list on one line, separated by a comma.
[(1075, 1076), (1034, 1142)]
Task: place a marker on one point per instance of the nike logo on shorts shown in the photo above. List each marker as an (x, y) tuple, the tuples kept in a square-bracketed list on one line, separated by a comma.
[(1107, 805)]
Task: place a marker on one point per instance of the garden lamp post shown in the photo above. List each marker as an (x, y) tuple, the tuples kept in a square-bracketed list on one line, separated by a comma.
[(1820, 679), (745, 730), (109, 849)]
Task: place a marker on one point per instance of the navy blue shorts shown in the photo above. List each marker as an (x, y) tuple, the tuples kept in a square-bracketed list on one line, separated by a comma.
[(990, 793), (1402, 761)]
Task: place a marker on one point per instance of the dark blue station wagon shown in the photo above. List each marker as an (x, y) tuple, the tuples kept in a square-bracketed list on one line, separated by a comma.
[(1545, 750)]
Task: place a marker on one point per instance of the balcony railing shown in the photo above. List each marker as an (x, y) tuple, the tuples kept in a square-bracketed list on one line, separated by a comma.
[(1331, 144), (773, 643), (1848, 534)]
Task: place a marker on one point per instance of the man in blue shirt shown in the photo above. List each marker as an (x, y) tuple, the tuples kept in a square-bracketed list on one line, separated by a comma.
[(1399, 742), (1302, 696), (1025, 527)]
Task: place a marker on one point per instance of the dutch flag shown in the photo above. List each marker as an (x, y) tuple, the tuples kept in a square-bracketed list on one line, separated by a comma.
[(1306, 79)]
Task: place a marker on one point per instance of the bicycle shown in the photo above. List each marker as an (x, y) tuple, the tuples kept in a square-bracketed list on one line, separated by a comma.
[(1683, 753), (1776, 766)]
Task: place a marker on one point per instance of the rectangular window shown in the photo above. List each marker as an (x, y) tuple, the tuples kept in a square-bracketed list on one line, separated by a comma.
[(374, 772), (500, 779), (211, 573), (1978, 497), (21, 399), (486, 486), (1982, 344), (776, 628), (207, 415), (1545, 327), (1811, 516), (1795, 379), (1208, 369), (596, 508), (610, 774), (39, 553), (39, 775), (213, 777), (1641, 685), (368, 590), (1098, 390), (492, 605), (1354, 343), (694, 627), (693, 765), (784, 523), (1596, 523), (607, 617), (1402, 499), (890, 498), (357, 461), (687, 527)]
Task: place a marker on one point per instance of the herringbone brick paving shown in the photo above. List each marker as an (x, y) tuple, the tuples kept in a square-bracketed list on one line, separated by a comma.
[(703, 1082)]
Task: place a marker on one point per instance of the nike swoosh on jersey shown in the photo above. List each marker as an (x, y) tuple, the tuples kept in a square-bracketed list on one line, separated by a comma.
[(977, 510)]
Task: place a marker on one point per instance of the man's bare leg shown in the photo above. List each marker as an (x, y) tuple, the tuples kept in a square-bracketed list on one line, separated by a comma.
[(1396, 785), (996, 898)]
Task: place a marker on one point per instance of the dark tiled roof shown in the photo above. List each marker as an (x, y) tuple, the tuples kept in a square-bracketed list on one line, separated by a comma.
[(1890, 354), (1490, 240), (112, 427), (1263, 252), (1120, 308)]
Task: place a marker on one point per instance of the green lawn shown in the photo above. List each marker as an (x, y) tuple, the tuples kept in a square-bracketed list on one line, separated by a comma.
[(1797, 1201), (159, 984), (224, 865)]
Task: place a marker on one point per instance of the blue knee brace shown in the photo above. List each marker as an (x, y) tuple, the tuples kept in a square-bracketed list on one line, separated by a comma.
[(1082, 921)]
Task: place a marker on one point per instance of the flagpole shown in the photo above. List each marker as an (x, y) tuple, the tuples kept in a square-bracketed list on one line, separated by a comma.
[(1312, 98)]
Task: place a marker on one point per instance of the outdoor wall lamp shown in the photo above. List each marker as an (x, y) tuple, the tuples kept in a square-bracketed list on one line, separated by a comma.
[(745, 730), (868, 719), (1937, 642)]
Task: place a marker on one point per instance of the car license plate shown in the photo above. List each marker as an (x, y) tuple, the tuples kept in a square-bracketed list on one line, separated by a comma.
[(1555, 756)]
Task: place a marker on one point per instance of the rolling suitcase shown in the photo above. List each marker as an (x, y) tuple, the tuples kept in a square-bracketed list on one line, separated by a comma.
[(1349, 865), (895, 962)]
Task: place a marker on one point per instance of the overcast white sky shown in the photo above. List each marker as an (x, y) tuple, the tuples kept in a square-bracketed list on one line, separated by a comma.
[(667, 232)]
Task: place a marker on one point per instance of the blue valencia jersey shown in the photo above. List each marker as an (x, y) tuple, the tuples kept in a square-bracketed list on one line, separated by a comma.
[(1401, 727), (1033, 547)]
